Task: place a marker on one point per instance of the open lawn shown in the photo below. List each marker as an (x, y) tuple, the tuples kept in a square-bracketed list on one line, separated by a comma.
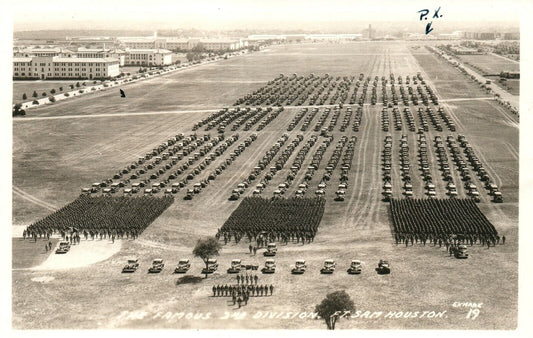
[(492, 64), (28, 87), (54, 157)]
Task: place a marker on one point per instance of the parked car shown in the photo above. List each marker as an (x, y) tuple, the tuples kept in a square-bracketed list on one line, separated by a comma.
[(183, 266), (63, 248), (270, 266), (131, 266), (157, 266), (355, 267), (329, 267), (299, 267), (383, 267)]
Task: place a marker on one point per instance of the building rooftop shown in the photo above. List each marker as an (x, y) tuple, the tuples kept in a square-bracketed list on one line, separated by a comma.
[(99, 60), (159, 51)]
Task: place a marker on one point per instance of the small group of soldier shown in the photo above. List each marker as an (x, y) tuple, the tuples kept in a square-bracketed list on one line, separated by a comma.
[(251, 290), (252, 279)]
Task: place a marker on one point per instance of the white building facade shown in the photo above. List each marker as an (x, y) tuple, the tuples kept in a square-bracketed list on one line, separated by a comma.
[(148, 57), (56, 67)]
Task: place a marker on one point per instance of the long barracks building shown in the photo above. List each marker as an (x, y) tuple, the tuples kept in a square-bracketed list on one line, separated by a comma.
[(57, 67)]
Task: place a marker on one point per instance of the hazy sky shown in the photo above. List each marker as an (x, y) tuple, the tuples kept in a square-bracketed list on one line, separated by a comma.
[(228, 14)]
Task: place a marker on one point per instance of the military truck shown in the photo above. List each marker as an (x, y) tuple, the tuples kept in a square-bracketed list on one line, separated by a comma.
[(131, 266), (157, 266), (236, 266), (299, 267), (355, 267), (212, 266), (383, 267), (63, 248), (183, 266), (460, 251), (271, 251), (329, 267), (270, 266)]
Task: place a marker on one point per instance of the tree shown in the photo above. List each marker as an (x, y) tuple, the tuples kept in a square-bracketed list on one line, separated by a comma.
[(24, 96), (44, 94), (35, 94), (77, 85), (189, 56), (336, 305), (60, 89), (17, 110), (206, 249), (53, 91), (71, 86)]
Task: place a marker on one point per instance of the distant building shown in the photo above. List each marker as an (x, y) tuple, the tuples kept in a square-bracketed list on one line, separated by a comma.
[(148, 57), (89, 53), (34, 51), (511, 36), (479, 36), (182, 44), (56, 67)]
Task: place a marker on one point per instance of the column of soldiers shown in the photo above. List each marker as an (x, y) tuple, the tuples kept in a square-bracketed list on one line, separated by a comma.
[(449, 240)]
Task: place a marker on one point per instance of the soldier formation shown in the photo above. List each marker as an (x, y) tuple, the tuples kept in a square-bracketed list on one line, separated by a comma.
[(245, 288), (100, 217), (264, 220)]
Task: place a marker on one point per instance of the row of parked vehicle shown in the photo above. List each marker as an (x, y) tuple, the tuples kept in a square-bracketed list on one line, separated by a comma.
[(313, 167), (237, 266), (347, 159), (386, 168), (198, 186), (280, 162), (330, 167), (480, 170), (471, 188), (262, 164), (425, 166), (444, 167)]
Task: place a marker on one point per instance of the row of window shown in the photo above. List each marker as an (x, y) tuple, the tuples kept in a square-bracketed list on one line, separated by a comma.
[(60, 74)]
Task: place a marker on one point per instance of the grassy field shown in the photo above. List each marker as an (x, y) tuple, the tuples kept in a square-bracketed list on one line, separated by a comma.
[(21, 87), (74, 152), (492, 64)]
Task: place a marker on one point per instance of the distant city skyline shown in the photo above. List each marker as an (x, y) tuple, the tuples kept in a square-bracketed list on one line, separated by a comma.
[(334, 15)]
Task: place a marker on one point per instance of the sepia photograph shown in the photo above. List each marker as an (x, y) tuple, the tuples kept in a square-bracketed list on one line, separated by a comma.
[(265, 165)]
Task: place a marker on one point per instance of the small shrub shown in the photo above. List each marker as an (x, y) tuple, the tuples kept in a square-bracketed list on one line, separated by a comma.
[(60, 89), (67, 94), (35, 94), (24, 96), (35, 102), (44, 94), (53, 91), (52, 99)]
